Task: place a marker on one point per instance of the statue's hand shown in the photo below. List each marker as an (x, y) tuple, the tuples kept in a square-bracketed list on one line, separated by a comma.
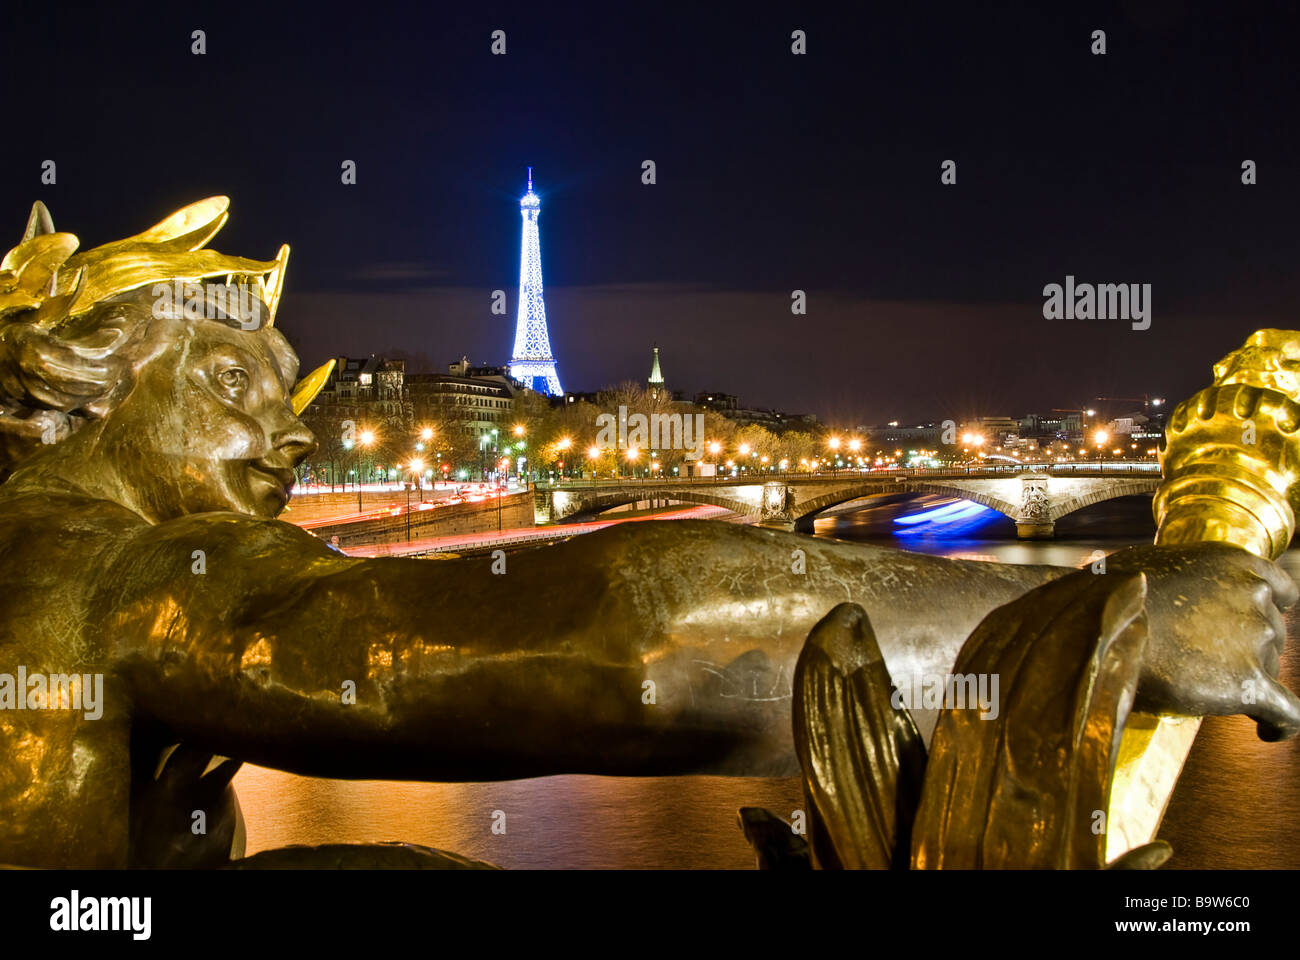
[(1217, 634)]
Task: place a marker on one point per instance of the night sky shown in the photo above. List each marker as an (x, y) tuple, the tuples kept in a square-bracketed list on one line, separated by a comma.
[(775, 172)]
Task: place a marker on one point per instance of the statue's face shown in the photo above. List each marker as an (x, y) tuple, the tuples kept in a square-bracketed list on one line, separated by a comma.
[(208, 425)]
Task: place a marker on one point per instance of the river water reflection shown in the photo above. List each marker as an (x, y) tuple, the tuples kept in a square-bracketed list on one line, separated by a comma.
[(1236, 805)]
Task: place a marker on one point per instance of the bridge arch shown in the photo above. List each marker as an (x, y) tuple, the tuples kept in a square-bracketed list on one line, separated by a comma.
[(590, 504), (807, 509), (1128, 489)]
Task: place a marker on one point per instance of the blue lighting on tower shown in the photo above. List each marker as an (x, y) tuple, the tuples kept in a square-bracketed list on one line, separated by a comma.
[(532, 362)]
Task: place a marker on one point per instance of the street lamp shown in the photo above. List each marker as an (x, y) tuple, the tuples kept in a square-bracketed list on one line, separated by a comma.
[(366, 438), (563, 445), (417, 466), (482, 450), (408, 511), (502, 466)]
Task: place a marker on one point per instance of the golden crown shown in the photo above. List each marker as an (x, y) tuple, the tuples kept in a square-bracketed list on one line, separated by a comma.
[(44, 272)]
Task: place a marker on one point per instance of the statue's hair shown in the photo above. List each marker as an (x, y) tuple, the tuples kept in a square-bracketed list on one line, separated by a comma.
[(53, 382), (74, 327)]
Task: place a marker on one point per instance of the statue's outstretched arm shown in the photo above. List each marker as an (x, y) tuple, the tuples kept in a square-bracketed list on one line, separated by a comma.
[(256, 641)]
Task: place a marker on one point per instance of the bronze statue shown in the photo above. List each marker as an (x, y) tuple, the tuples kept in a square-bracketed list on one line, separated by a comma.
[(149, 440)]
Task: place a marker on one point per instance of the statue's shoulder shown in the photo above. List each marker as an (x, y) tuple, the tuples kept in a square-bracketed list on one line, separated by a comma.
[(29, 513), (40, 518)]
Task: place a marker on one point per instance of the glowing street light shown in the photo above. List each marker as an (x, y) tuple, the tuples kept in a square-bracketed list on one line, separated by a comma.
[(834, 444), (426, 434), (366, 438)]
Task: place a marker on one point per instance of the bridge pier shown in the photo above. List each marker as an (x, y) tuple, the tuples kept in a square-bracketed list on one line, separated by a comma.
[(1034, 519), (775, 508), (1035, 529)]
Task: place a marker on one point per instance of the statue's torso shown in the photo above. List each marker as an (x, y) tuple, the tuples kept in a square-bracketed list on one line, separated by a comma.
[(65, 774)]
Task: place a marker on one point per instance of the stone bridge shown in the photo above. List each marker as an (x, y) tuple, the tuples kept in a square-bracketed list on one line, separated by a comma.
[(1034, 499)]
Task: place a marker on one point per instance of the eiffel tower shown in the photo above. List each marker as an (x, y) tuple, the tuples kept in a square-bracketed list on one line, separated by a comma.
[(532, 363)]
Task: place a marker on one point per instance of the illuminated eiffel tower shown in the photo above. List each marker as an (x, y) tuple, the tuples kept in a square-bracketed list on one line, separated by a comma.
[(532, 363)]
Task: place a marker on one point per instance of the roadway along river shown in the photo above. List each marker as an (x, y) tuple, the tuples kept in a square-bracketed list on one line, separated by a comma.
[(1236, 805)]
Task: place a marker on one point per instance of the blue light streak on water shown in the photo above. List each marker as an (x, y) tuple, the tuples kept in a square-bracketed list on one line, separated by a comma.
[(935, 513), (956, 519)]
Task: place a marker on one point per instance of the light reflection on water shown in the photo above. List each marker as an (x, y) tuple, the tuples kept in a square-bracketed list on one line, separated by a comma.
[(1237, 803), (551, 822)]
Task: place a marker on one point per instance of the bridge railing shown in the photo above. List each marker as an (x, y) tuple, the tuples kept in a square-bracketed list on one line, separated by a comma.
[(1095, 468)]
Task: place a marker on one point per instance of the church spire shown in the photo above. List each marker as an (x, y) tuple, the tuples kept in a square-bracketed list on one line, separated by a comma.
[(656, 377)]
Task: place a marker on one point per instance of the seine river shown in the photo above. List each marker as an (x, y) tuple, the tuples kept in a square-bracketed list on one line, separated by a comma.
[(1236, 805)]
